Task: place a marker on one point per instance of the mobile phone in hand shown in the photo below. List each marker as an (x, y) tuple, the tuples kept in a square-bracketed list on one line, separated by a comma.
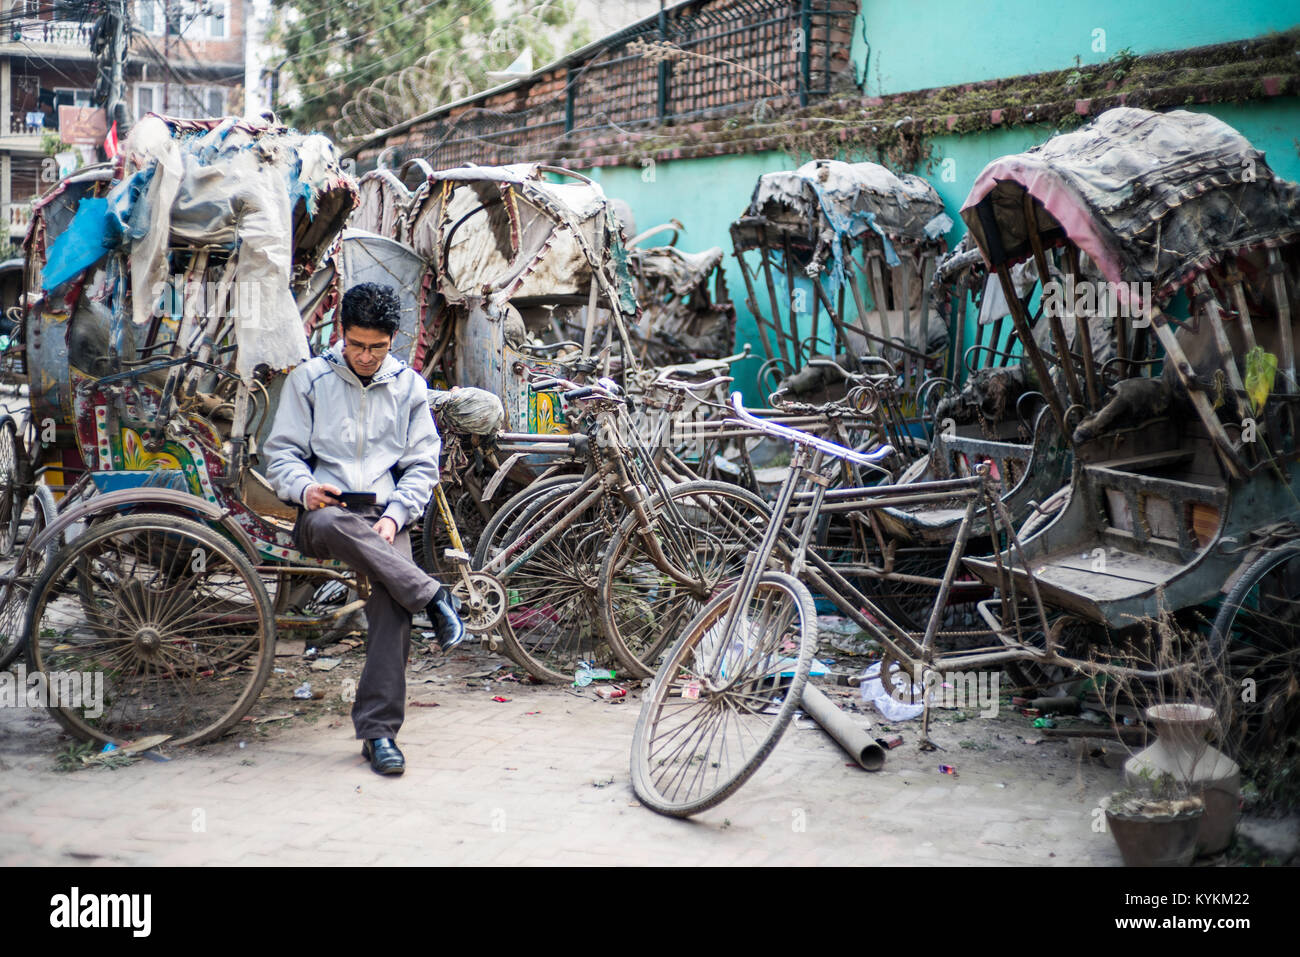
[(354, 499)]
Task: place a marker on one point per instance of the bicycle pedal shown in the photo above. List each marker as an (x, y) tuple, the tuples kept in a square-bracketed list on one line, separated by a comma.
[(456, 555)]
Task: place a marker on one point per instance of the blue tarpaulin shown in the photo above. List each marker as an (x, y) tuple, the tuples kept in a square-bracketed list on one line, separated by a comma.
[(85, 242)]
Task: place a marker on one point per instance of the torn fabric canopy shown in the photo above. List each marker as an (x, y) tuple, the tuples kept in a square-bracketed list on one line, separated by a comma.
[(85, 242)]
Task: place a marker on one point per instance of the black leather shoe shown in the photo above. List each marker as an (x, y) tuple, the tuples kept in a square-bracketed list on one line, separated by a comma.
[(443, 611), (383, 756)]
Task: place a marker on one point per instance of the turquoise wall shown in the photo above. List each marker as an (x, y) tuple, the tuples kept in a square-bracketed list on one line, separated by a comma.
[(903, 46), (706, 195)]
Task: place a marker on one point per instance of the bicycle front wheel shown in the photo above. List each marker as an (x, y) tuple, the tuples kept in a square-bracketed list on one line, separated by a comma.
[(723, 697), (551, 626)]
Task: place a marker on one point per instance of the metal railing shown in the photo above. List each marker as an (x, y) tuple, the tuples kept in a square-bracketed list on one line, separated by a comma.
[(20, 214), (693, 62), (55, 32), (18, 125)]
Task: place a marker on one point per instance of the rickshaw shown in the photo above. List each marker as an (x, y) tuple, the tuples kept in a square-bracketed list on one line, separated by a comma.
[(161, 312), (860, 243), (527, 269), (1183, 487), (686, 312), (1185, 492)]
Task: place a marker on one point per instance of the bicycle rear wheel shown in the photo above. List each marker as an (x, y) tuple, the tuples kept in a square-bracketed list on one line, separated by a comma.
[(642, 608), (552, 623), (722, 699)]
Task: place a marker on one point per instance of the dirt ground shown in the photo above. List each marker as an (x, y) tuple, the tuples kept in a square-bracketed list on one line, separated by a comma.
[(288, 785)]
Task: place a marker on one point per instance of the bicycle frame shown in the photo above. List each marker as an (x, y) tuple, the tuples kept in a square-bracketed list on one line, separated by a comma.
[(634, 475)]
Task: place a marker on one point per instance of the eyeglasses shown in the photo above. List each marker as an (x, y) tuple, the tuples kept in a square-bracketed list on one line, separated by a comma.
[(378, 349)]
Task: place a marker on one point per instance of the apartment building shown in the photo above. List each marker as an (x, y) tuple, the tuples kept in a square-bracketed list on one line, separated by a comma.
[(186, 58)]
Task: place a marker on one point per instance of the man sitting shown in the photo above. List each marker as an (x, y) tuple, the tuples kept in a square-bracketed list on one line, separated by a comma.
[(348, 420)]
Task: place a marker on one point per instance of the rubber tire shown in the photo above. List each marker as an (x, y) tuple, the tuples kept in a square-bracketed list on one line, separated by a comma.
[(15, 594), (70, 555), (642, 782), (514, 647), (504, 517), (1221, 638), (11, 494), (643, 665)]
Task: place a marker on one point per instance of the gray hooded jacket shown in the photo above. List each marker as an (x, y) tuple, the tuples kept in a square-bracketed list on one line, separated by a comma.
[(331, 429)]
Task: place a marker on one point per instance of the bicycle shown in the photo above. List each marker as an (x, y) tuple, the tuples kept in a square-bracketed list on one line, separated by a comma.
[(732, 681), (563, 596)]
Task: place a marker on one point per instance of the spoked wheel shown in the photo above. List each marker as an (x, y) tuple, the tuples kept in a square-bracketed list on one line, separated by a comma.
[(430, 539), (552, 623), (11, 492), (721, 700), (1256, 642), (497, 531), (643, 608), (17, 583), (161, 622)]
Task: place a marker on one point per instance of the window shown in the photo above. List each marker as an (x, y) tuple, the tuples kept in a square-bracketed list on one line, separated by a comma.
[(215, 99), (149, 14), (146, 99), (66, 97), (218, 11), (198, 20)]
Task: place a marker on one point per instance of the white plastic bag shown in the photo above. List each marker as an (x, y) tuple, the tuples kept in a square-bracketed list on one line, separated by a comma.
[(873, 692)]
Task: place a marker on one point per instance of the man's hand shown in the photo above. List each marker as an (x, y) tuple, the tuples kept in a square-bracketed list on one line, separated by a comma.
[(318, 496), (387, 529)]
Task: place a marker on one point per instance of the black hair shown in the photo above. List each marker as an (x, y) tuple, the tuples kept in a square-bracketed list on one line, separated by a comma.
[(371, 306)]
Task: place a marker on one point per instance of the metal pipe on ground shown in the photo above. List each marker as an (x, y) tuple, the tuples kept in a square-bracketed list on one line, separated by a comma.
[(860, 745)]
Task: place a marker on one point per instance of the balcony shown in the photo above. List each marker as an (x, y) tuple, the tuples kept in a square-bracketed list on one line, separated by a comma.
[(18, 125), (20, 216), (24, 137), (46, 38)]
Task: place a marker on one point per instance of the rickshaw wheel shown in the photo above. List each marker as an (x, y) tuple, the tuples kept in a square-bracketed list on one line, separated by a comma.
[(181, 637), (17, 589), (11, 493), (1256, 642)]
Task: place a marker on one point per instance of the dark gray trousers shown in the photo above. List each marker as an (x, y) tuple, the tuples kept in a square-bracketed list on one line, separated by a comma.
[(398, 588)]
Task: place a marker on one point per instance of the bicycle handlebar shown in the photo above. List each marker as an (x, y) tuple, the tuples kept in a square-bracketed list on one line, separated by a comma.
[(778, 431), (602, 388), (856, 377), (665, 383)]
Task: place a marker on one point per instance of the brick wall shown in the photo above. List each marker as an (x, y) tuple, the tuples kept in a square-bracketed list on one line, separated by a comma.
[(726, 57)]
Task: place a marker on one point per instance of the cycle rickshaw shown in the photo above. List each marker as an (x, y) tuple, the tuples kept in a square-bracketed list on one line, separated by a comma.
[(1184, 495), (167, 294)]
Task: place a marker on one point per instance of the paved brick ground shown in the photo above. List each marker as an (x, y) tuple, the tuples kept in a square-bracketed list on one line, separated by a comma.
[(490, 784)]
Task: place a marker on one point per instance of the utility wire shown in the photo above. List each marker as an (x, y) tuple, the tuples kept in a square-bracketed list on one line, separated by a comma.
[(352, 40), (338, 77)]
